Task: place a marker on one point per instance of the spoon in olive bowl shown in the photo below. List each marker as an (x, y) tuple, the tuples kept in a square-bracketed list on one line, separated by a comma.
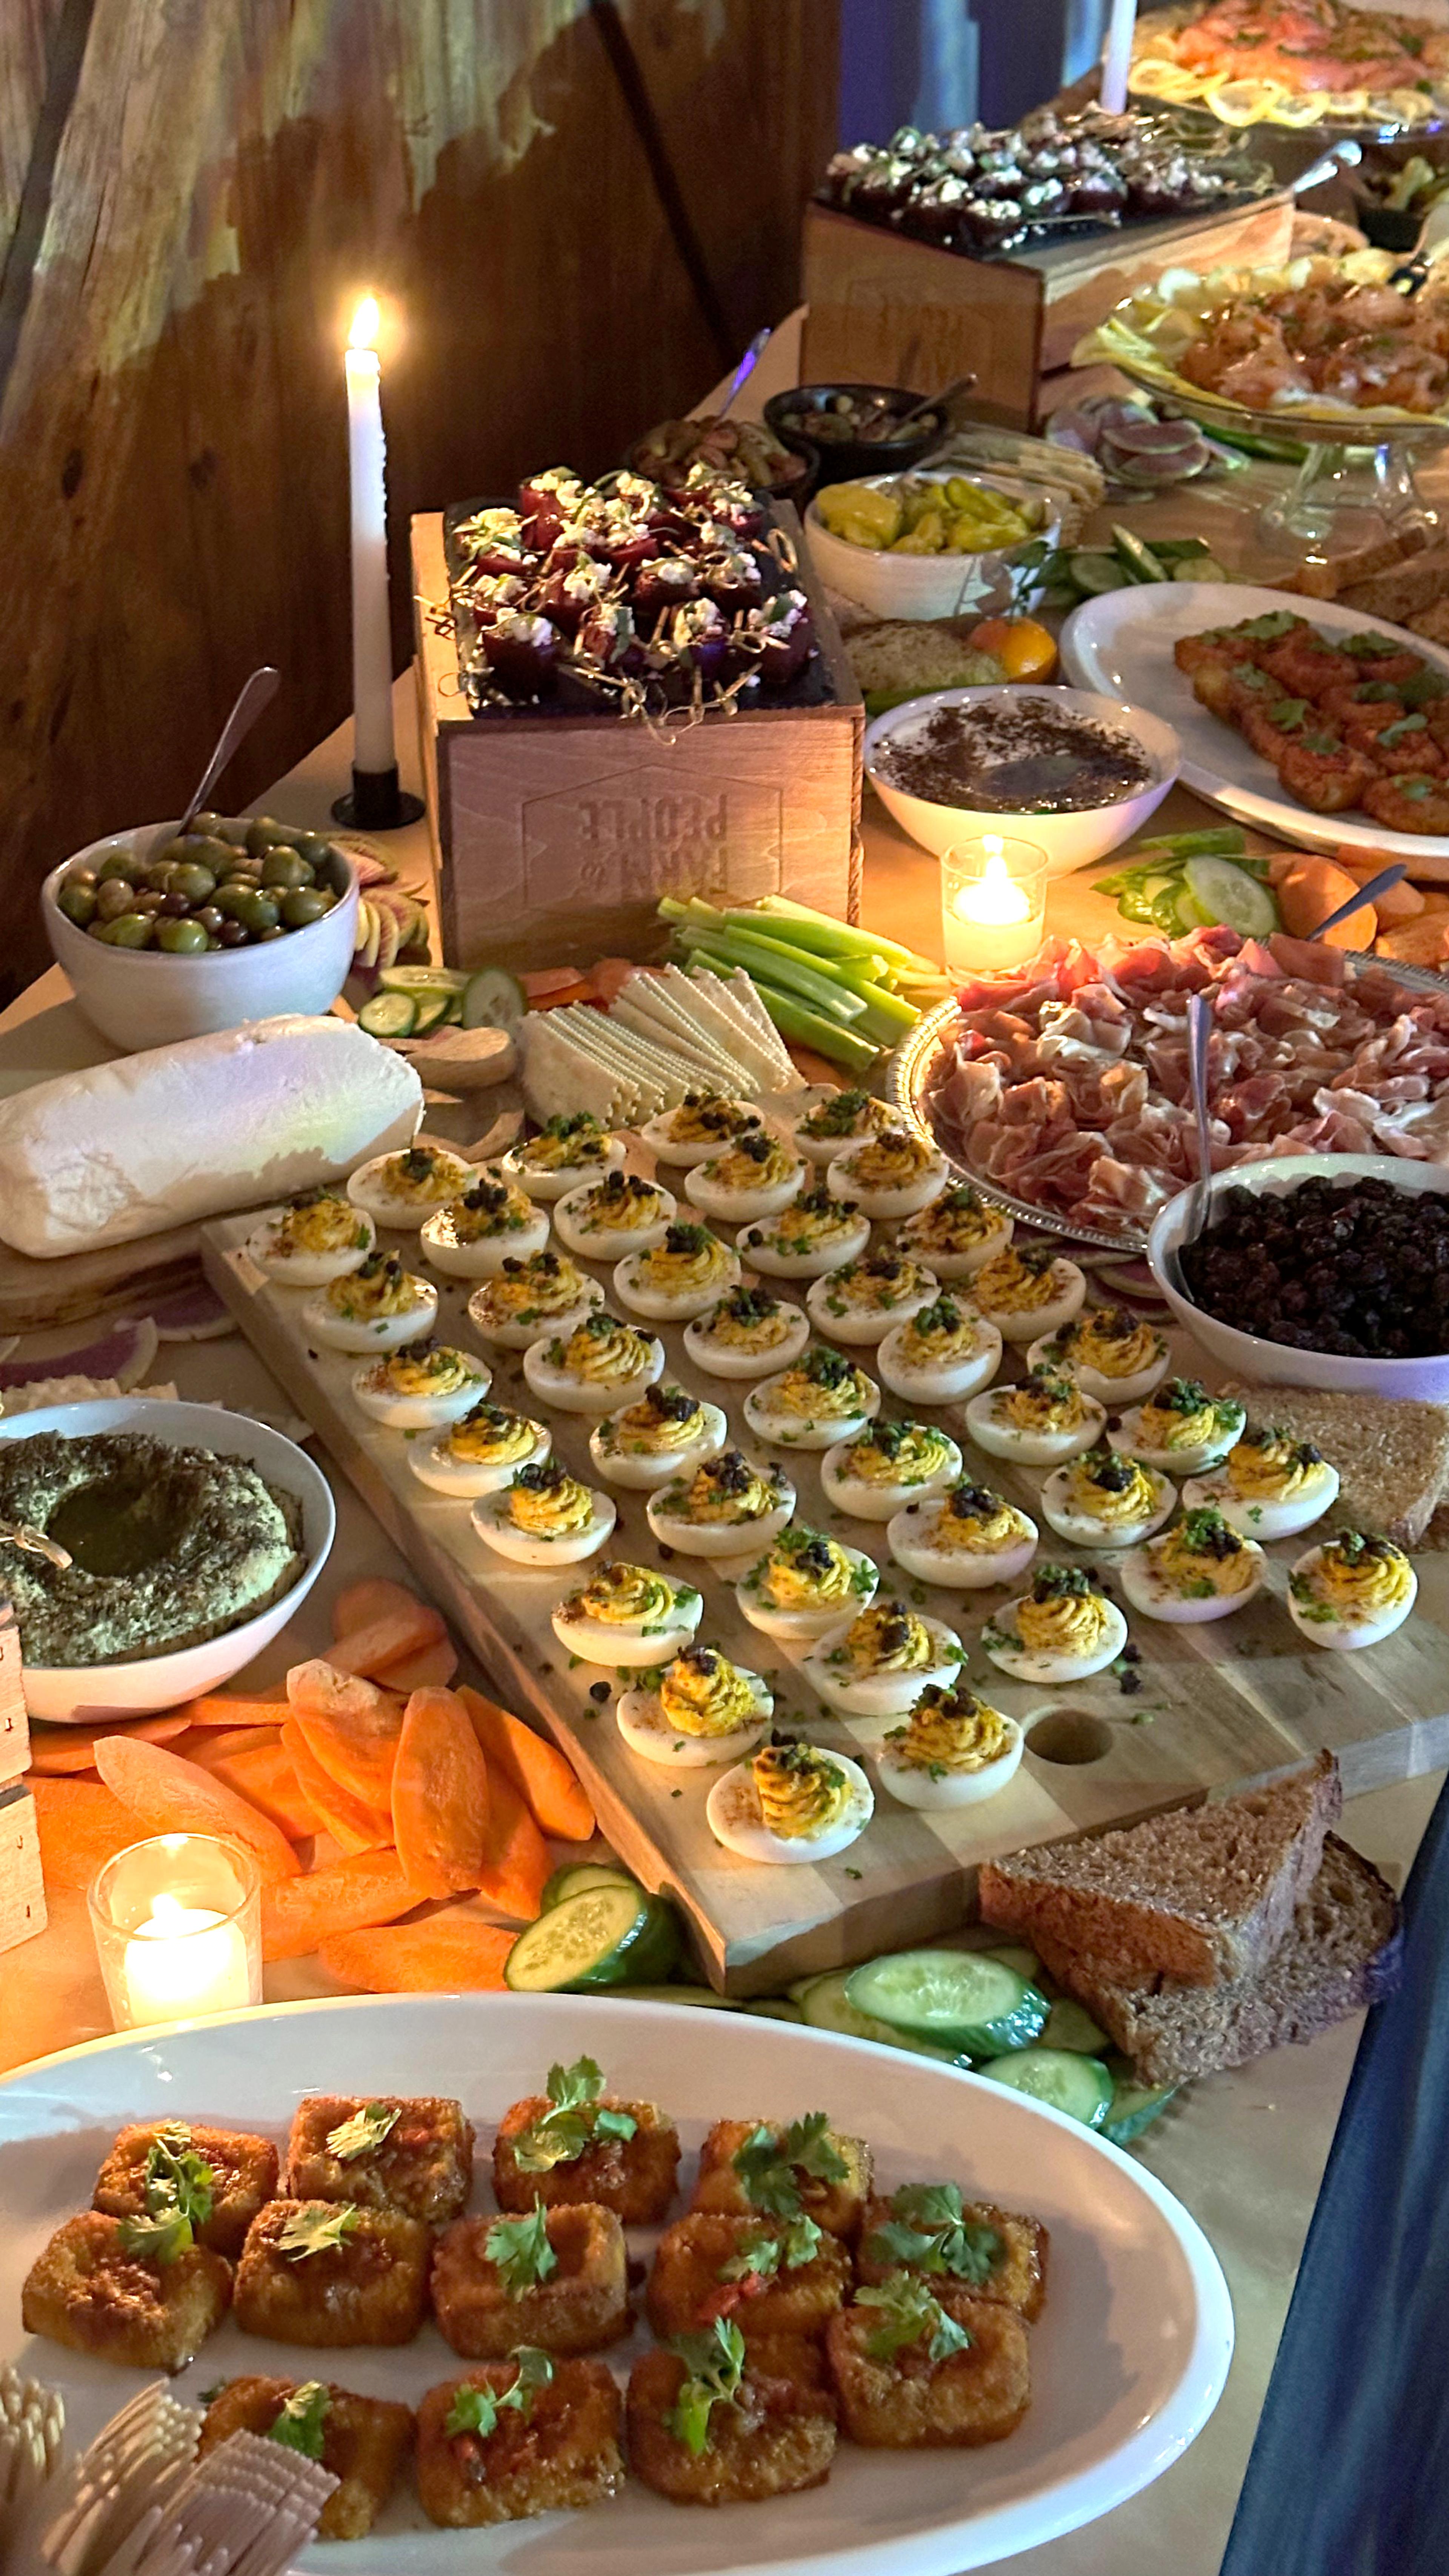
[(254, 694)]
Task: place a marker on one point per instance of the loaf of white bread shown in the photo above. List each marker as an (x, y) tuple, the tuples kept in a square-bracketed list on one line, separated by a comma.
[(197, 1130)]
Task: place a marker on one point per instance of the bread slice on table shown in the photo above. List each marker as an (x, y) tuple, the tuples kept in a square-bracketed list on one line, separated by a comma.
[(1391, 1452), (1199, 1894), (1341, 1952)]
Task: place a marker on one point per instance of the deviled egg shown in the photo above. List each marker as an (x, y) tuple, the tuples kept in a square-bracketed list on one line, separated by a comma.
[(957, 1232), (703, 1123), (892, 1174), (320, 1237), (473, 1236), (545, 1517), (940, 1354), (1104, 1499), (727, 1507), (1181, 1428), (665, 1432), (420, 1387), (791, 1802), (681, 1276), (1028, 1289), (600, 1364), (878, 1663), (967, 1538), (399, 1190), (1062, 1630), (822, 1399), (838, 1119), (756, 1177), (748, 1334), (888, 1465), (861, 1301), (618, 1214), (482, 1453), (375, 1308), (817, 1233), (547, 1293), (627, 1615), (804, 1584), (1112, 1356), (1351, 1591), (953, 1750), (697, 1710), (565, 1154), (1039, 1422), (1269, 1485), (1199, 1569)]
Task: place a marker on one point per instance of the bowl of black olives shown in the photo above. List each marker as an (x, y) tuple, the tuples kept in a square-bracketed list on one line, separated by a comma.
[(168, 935)]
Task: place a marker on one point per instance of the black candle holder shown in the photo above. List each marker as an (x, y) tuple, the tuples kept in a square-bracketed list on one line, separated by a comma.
[(378, 803)]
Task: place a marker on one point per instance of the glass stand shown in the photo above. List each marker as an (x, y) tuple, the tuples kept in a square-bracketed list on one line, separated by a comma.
[(1345, 498)]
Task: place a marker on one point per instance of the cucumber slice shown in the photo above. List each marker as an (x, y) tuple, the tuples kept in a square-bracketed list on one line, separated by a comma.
[(1094, 574), (826, 2005), (432, 1011), (1167, 910), (1174, 550), (388, 1015), (1201, 568), (609, 1936), (1080, 2086), (423, 979), (580, 1875), (1134, 2106), (1229, 894), (1069, 2025), (964, 2000), (1142, 564), (1013, 1954), (700, 1997), (494, 999)]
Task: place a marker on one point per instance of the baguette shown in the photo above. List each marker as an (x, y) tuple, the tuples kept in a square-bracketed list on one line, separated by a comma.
[(1391, 1452)]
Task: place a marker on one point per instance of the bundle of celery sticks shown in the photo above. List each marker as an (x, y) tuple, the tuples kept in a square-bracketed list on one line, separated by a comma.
[(850, 994)]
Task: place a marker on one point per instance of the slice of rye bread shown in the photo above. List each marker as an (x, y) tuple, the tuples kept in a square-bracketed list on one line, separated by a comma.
[(1341, 1952), (1200, 1893), (1391, 1452)]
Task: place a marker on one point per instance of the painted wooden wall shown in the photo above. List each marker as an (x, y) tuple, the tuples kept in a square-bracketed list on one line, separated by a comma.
[(192, 196)]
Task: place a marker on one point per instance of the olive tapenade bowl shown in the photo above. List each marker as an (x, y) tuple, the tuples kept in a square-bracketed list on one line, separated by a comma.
[(1251, 1356), (1070, 840), (82, 1695)]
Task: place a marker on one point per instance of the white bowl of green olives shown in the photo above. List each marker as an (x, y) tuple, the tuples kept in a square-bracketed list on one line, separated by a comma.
[(165, 937)]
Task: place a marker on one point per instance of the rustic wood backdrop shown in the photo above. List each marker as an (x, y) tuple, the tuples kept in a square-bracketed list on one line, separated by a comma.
[(574, 215)]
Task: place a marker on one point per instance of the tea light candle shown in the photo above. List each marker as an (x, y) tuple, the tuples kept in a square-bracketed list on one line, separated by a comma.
[(185, 1959), (177, 1925), (993, 904)]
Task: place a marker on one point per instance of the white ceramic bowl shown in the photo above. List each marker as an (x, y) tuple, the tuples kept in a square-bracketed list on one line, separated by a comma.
[(139, 998), (893, 585), (1245, 1355), (83, 1694), (1069, 840)]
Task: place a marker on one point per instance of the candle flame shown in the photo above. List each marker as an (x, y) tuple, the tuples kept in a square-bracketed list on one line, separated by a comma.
[(365, 322), (995, 897)]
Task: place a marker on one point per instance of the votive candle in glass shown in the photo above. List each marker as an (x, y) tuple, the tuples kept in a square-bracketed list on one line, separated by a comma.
[(993, 904), (177, 1922)]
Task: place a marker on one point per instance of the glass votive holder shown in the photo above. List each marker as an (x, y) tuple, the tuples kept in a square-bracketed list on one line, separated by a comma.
[(177, 1923), (993, 904)]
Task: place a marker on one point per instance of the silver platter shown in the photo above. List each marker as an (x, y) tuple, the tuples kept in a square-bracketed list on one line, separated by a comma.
[(909, 1073)]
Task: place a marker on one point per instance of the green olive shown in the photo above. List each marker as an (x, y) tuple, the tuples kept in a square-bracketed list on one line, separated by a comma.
[(81, 876), (276, 932), (130, 930), (195, 882), (215, 827), (257, 914), (78, 903), (305, 904), (209, 850), (327, 897), (181, 938), (228, 897), (114, 895), (119, 864), (316, 848), (286, 868), (264, 832)]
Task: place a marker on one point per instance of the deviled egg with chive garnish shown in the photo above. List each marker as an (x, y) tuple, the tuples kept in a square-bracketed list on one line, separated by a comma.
[(702, 1126), (939, 1355), (1269, 1485), (1063, 1630), (862, 1300), (838, 1119), (1352, 1590), (967, 1538), (953, 1750), (956, 1233), (887, 1465), (892, 1174), (618, 1214), (319, 1237), (1038, 1422), (1199, 1569), (878, 1663), (665, 1432), (480, 1454), (420, 1387), (402, 1189), (601, 1365), (545, 1517), (748, 1334), (491, 1223), (1106, 1500), (377, 1307), (628, 1615), (804, 1584), (728, 1507), (1114, 1357), (566, 1154), (791, 1803), (680, 1277), (1181, 1428), (815, 1234), (699, 1709), (1028, 1290), (547, 1293), (755, 1177), (823, 1398)]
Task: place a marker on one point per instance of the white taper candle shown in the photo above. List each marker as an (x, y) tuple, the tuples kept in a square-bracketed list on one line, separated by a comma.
[(373, 746), (1117, 60)]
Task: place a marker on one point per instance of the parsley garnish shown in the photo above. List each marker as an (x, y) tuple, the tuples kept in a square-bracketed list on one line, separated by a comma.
[(314, 2230), (770, 2161), (365, 2130), (572, 2121), (176, 2182), (159, 2240), (300, 2425), (761, 2256), (910, 2312), (521, 2250), (715, 2363), (927, 2232), (476, 2410)]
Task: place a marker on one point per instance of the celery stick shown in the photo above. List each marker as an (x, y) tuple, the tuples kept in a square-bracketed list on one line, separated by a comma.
[(841, 1045), (783, 965), (887, 1011), (716, 951), (850, 940)]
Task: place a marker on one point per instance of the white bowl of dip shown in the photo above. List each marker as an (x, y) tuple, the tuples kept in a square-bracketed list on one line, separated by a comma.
[(1072, 840)]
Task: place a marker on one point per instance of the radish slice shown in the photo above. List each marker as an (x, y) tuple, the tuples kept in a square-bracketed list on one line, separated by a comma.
[(124, 1353), (193, 1314), (1152, 437)]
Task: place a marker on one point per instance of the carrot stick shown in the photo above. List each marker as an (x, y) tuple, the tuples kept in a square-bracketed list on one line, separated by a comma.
[(448, 1954), (351, 1727), (349, 1895), (81, 1823), (353, 1825), (173, 1796), (215, 1709), (358, 1605), (209, 1744), (440, 1796), (432, 1668), (61, 1749), (387, 1640), (265, 1775), (516, 1857), (543, 1776)]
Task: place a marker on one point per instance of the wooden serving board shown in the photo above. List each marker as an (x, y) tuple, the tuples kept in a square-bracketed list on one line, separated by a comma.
[(1219, 1704)]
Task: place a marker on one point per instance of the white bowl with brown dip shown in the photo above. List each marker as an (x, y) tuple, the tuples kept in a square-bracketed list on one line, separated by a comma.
[(1076, 773)]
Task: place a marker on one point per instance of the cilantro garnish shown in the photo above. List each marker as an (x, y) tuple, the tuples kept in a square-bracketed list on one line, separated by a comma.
[(771, 2160), (158, 2240), (762, 2255), (521, 2250), (314, 2230), (572, 2121), (365, 2130), (927, 2232), (910, 2312), (301, 2423), (715, 2363), (176, 2182), (476, 2410)]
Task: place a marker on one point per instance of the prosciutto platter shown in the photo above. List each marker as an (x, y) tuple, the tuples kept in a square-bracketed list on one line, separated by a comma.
[(1065, 1088)]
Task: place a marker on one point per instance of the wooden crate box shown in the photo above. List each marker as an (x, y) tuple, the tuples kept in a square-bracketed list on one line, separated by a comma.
[(556, 835), (22, 1891)]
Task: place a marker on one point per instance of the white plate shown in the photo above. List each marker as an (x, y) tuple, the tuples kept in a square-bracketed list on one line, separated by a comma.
[(1128, 2358), (1122, 642)]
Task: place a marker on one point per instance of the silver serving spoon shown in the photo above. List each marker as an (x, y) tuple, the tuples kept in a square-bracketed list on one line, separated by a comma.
[(744, 371), (1366, 894), (34, 1542), (928, 403), (255, 693), (1199, 1030)]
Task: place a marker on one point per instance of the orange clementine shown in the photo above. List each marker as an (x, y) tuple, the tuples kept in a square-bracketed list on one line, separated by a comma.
[(1023, 648)]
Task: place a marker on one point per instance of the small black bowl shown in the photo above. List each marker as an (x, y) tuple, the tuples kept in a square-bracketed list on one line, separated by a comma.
[(840, 460)]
